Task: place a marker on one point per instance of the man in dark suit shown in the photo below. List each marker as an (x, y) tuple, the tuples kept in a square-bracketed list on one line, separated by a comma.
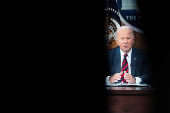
[(136, 61)]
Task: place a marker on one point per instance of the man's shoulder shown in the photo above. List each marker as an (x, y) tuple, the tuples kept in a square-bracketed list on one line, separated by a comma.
[(114, 49), (139, 52), (111, 52)]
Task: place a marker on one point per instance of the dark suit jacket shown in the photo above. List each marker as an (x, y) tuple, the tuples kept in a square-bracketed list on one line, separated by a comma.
[(140, 66)]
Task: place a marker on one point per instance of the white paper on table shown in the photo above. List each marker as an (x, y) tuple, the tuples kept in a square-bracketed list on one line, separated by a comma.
[(124, 84)]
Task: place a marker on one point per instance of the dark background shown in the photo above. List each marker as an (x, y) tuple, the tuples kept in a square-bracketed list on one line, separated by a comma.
[(60, 54), (156, 26)]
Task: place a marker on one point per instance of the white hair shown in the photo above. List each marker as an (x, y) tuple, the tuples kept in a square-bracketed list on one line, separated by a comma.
[(123, 27)]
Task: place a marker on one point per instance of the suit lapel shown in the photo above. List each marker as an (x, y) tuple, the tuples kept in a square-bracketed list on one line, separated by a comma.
[(117, 60), (133, 61)]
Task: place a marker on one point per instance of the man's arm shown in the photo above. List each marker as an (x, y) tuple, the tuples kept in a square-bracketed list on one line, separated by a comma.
[(146, 71), (115, 77)]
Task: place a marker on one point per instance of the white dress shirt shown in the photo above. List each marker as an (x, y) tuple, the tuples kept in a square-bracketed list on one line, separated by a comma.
[(128, 59)]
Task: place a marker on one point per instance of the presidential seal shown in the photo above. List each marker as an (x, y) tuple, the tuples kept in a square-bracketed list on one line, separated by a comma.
[(112, 22)]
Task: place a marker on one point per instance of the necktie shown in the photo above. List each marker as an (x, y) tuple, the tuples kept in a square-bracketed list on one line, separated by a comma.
[(124, 68)]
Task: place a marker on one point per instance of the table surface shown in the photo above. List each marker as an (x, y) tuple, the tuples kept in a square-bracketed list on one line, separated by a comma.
[(130, 90), (130, 99)]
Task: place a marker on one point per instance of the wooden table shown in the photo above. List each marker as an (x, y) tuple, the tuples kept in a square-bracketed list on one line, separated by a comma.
[(130, 99)]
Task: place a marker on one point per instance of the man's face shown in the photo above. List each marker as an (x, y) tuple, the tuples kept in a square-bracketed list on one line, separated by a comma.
[(125, 39)]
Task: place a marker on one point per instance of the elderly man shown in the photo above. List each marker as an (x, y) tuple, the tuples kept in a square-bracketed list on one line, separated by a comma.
[(127, 62)]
